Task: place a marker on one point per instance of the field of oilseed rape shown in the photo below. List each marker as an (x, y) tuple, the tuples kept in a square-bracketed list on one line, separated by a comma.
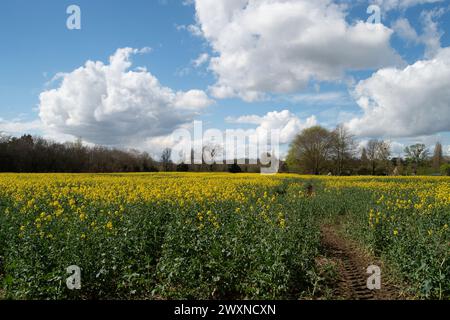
[(213, 236)]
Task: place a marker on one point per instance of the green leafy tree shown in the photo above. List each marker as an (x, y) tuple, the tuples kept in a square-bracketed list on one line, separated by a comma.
[(445, 169), (416, 155), (311, 150)]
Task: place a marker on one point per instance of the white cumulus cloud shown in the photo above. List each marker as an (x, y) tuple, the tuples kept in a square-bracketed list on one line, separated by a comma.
[(431, 36), (113, 105), (285, 121), (406, 102), (279, 46), (18, 126), (402, 4), (201, 60)]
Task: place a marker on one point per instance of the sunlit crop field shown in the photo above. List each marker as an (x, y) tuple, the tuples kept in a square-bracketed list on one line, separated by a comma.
[(211, 236)]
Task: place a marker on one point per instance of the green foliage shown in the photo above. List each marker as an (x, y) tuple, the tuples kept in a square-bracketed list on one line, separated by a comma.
[(413, 243), (234, 168), (182, 167), (445, 169), (263, 247), (159, 250)]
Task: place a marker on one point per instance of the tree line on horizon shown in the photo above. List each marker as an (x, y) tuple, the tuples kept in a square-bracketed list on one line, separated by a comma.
[(29, 154), (315, 150)]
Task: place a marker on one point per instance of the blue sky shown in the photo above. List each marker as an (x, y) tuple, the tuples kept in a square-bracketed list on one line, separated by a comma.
[(36, 46)]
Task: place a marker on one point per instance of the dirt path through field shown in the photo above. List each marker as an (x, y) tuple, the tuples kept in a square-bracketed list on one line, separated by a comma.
[(352, 266)]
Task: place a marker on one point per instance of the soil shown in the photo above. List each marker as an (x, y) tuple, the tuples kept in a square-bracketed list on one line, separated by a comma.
[(351, 264)]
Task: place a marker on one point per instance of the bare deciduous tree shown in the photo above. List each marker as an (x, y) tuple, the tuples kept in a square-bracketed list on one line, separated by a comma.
[(378, 152), (343, 148), (166, 161), (211, 155)]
